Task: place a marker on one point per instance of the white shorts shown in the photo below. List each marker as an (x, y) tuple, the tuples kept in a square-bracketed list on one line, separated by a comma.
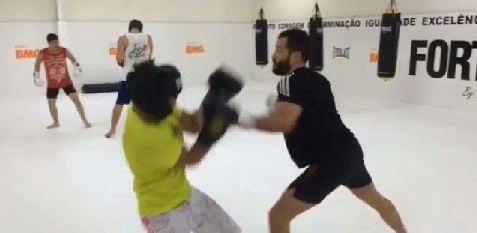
[(200, 214)]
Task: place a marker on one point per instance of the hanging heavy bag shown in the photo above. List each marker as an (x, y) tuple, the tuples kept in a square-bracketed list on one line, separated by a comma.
[(389, 42), (316, 41), (261, 40)]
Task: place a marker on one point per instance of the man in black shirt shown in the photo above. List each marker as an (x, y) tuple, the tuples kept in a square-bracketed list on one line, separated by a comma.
[(316, 138)]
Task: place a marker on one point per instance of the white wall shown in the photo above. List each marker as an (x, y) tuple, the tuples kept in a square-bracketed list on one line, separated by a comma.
[(157, 10), (222, 43), (289, 10), (23, 26), (356, 77), (89, 28), (17, 74), (26, 10)]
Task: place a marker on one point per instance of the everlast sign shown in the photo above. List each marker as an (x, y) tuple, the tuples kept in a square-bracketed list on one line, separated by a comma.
[(442, 58)]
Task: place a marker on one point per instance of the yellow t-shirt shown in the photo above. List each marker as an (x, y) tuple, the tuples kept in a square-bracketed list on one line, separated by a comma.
[(151, 151)]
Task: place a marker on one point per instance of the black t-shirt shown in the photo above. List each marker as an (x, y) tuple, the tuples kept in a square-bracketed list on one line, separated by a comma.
[(319, 130)]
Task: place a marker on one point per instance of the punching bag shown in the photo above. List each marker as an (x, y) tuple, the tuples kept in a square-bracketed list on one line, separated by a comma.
[(316, 41), (261, 40), (389, 42)]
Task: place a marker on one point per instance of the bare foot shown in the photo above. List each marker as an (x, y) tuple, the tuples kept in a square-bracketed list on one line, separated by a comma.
[(52, 126), (87, 125), (110, 134)]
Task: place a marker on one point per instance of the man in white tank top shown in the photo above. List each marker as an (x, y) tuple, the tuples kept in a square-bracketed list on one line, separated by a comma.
[(133, 47)]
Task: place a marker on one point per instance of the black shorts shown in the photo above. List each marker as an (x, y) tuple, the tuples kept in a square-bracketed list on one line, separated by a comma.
[(319, 180), (52, 93), (123, 94)]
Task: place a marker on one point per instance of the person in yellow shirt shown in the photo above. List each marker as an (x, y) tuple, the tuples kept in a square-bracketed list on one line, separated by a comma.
[(154, 148)]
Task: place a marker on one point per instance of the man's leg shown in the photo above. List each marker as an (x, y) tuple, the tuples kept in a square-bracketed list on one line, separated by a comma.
[(54, 114), (178, 220), (209, 217), (308, 190), (52, 94), (285, 210), (71, 92), (123, 99), (361, 185), (116, 115), (388, 212)]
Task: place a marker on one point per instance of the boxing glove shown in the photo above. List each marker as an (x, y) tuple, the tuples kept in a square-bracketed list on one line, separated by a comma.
[(37, 80), (271, 101), (248, 121), (77, 71), (217, 117), (223, 83)]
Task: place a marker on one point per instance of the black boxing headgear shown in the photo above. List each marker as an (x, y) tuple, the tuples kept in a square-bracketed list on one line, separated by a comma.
[(151, 89), (175, 74)]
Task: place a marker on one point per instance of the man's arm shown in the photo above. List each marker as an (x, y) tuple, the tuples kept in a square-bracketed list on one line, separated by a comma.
[(282, 118), (286, 111), (71, 57), (121, 50), (191, 122), (39, 60), (193, 156), (151, 45), (217, 118)]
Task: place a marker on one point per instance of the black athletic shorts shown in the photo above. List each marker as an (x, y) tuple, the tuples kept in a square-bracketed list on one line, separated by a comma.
[(319, 180), (123, 94), (52, 93)]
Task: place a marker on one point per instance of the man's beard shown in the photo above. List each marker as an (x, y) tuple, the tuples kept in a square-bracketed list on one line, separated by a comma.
[(281, 68)]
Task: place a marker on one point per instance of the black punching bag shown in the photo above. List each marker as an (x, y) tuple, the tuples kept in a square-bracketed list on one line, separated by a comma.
[(389, 42), (316, 41), (261, 40)]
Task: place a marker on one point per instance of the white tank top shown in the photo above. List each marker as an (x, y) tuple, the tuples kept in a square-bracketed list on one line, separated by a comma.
[(138, 50)]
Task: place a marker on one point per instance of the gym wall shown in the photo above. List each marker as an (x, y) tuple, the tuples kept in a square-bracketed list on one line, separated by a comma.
[(23, 26), (192, 11), (289, 10), (353, 75), (197, 36), (196, 49), (27, 11)]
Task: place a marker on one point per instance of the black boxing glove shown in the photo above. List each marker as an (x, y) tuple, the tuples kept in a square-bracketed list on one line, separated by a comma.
[(223, 83), (217, 117)]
